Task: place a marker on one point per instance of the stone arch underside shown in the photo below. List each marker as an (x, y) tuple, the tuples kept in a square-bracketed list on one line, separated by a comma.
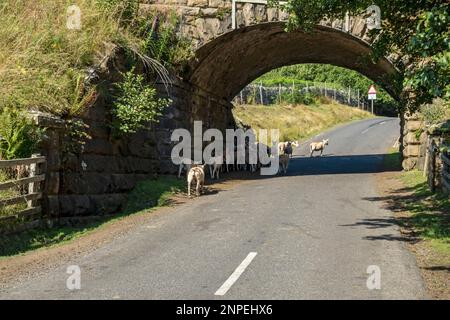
[(226, 64)]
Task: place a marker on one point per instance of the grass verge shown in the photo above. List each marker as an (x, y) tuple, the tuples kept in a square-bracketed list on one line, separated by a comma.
[(430, 213), (147, 196), (424, 221)]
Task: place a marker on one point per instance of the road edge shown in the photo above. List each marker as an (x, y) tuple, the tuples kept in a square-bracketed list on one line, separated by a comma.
[(388, 183)]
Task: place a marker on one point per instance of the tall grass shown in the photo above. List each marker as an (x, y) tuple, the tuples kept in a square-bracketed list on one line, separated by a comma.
[(9, 193), (297, 122), (41, 61)]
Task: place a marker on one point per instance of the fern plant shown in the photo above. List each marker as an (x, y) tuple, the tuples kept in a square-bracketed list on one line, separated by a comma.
[(19, 137)]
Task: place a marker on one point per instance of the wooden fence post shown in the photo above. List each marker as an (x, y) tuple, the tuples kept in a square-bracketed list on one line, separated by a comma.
[(432, 168), (261, 99), (293, 88), (34, 187), (279, 93), (358, 99), (349, 97)]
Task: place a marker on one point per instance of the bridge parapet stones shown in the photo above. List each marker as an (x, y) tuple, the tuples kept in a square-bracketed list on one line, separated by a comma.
[(204, 20)]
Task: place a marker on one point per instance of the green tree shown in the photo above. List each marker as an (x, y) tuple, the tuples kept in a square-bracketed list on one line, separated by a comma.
[(417, 32)]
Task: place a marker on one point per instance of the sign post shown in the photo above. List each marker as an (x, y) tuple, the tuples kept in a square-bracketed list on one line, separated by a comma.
[(372, 94)]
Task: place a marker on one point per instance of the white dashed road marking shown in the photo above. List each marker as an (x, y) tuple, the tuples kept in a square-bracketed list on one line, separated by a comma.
[(236, 274)]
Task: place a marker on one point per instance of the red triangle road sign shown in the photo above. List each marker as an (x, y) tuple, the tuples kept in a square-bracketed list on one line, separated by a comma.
[(372, 90)]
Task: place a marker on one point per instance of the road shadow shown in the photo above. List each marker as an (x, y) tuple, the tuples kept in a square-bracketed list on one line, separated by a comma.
[(418, 213), (338, 164), (328, 164)]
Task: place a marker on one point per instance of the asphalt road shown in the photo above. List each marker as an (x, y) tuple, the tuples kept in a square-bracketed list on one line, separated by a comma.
[(311, 234)]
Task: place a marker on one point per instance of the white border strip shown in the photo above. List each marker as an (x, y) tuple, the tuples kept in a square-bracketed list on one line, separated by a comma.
[(236, 274)]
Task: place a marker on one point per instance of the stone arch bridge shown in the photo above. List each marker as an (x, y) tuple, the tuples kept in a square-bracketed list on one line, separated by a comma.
[(95, 179), (227, 58)]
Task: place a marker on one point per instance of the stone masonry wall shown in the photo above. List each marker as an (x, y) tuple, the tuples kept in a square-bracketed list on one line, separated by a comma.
[(414, 143), (94, 179)]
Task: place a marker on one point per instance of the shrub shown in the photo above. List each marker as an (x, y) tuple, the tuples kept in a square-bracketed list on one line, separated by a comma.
[(136, 104), (298, 97), (435, 112)]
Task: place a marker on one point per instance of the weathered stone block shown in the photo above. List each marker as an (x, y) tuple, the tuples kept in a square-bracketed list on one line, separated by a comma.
[(411, 138), (98, 112), (189, 11), (411, 151), (208, 12), (197, 3), (53, 159), (71, 162), (108, 203), (409, 163), (51, 206), (220, 3), (260, 13), (99, 146), (248, 12), (145, 150), (52, 183), (135, 165), (86, 183), (123, 182), (337, 24), (208, 26), (272, 14), (412, 117), (167, 167), (414, 125), (75, 205), (99, 163), (99, 130), (283, 16), (359, 27)]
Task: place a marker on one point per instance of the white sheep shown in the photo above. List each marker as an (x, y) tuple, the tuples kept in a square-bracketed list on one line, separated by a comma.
[(318, 146)]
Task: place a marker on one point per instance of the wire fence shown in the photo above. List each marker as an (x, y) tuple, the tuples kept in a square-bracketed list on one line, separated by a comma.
[(301, 93)]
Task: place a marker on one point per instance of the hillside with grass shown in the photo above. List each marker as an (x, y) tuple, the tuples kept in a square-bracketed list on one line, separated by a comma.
[(296, 121), (49, 65), (329, 76)]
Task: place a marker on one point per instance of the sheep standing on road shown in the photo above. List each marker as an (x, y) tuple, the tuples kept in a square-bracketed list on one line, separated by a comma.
[(318, 146), (186, 164), (284, 163), (215, 166), (286, 147), (196, 175)]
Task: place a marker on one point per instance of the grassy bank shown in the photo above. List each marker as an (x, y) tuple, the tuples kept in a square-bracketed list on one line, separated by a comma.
[(424, 221), (298, 122), (42, 62), (147, 196), (430, 213)]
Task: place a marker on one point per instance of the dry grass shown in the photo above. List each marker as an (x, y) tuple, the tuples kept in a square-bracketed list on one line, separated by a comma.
[(41, 61), (297, 122), (9, 193)]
